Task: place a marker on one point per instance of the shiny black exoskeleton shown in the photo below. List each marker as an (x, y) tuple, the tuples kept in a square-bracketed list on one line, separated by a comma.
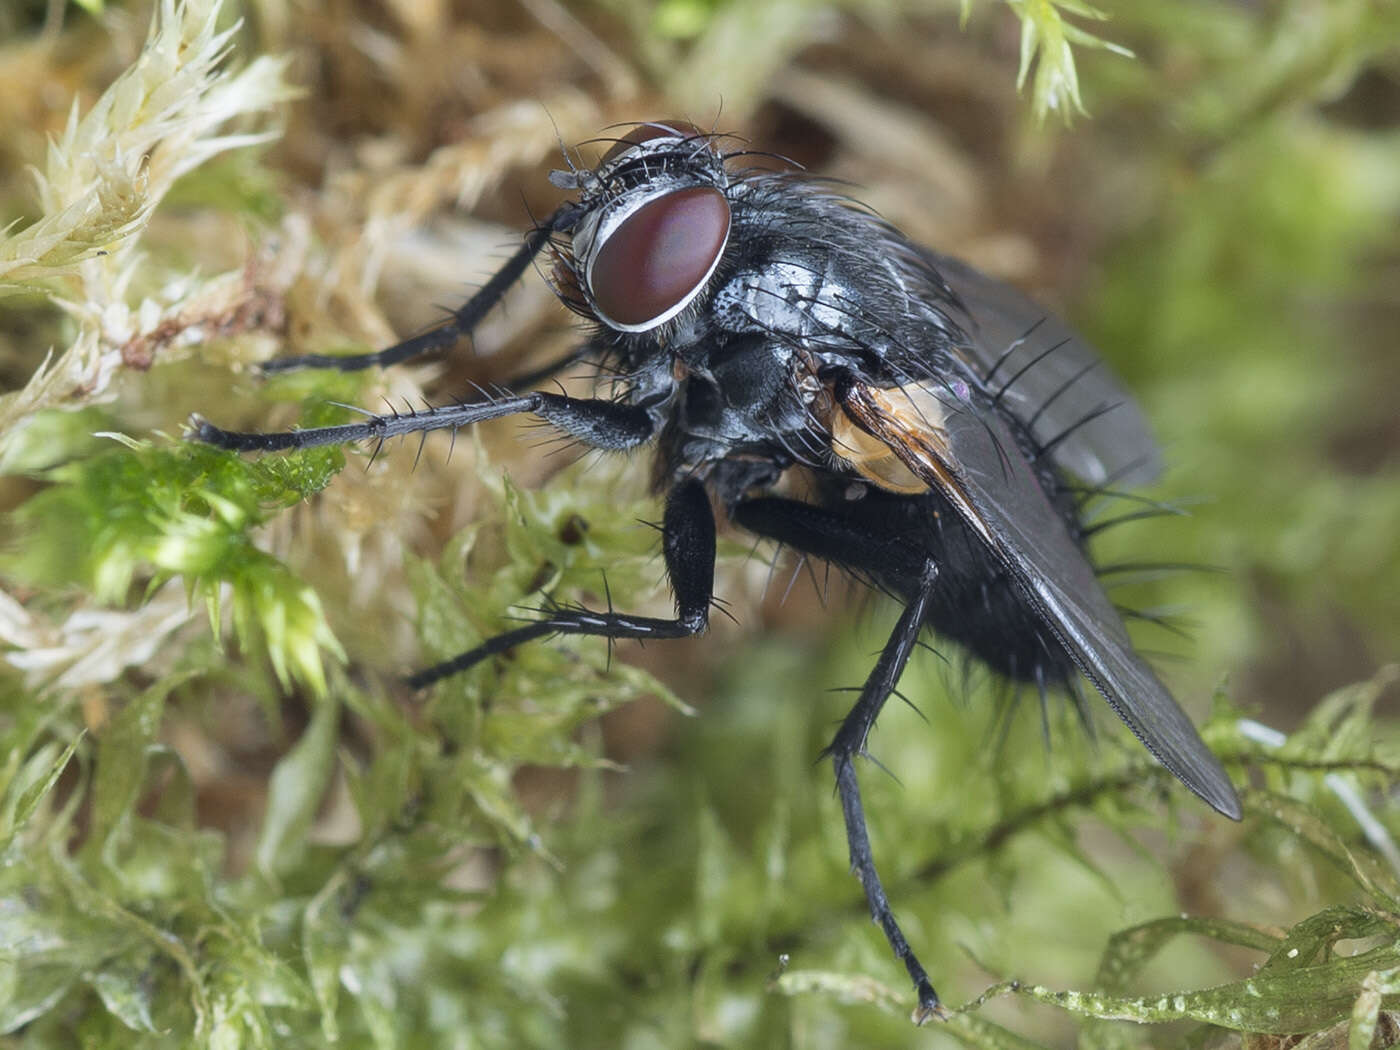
[(756, 324)]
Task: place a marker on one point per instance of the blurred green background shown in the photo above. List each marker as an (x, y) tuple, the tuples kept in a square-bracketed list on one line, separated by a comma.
[(223, 819)]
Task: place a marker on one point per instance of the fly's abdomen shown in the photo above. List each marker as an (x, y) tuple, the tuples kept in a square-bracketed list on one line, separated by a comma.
[(976, 604)]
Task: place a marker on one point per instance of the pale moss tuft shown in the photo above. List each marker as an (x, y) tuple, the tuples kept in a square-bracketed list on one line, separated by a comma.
[(91, 647), (1047, 46), (106, 174)]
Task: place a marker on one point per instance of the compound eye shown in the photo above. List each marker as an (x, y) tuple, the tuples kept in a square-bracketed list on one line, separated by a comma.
[(659, 257), (660, 129)]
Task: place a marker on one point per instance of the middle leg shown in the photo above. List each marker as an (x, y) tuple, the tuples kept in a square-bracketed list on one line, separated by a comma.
[(688, 547)]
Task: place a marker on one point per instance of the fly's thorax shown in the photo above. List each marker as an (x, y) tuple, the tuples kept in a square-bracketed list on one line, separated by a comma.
[(744, 388), (797, 299)]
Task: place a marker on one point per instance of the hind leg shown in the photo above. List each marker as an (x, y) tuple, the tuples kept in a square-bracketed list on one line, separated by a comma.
[(827, 534)]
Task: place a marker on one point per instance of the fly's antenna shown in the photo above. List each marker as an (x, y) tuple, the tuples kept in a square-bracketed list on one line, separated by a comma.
[(558, 137)]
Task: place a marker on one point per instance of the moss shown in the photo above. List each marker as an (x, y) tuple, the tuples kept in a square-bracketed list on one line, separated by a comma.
[(224, 819)]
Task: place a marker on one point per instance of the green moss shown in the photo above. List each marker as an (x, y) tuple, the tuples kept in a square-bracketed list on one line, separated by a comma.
[(267, 844), (140, 514)]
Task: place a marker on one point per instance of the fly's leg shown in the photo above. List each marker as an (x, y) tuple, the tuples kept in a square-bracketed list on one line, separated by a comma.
[(688, 545), (849, 743), (827, 534), (687, 531), (463, 319), (609, 425), (830, 535)]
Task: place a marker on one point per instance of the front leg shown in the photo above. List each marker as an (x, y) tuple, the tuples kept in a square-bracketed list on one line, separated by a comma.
[(463, 319), (609, 425), (688, 545)]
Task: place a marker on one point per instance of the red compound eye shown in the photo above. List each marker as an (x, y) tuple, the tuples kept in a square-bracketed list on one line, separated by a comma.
[(659, 257), (646, 132)]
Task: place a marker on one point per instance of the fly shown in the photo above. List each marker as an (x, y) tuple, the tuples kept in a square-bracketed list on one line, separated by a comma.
[(756, 323)]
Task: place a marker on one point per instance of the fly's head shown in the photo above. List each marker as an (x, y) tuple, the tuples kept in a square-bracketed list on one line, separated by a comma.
[(653, 223), (644, 257)]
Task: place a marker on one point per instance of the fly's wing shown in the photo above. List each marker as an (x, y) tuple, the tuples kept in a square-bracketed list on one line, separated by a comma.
[(1053, 380), (972, 458)]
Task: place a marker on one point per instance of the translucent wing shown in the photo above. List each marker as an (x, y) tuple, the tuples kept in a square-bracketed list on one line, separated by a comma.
[(970, 455), (1053, 380)]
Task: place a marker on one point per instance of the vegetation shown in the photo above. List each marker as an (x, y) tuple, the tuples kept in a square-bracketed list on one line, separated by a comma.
[(225, 821)]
